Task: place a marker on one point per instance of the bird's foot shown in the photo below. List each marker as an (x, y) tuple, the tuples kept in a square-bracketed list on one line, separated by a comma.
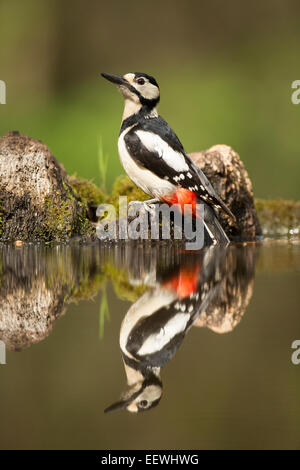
[(137, 206)]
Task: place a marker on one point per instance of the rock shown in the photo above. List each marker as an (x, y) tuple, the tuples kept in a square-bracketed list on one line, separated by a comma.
[(228, 175), (36, 200)]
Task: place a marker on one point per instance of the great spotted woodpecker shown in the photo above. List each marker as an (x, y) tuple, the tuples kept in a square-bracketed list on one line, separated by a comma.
[(151, 153)]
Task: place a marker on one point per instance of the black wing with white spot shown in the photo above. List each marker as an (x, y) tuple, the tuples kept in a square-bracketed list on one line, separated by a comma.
[(154, 146), (156, 338)]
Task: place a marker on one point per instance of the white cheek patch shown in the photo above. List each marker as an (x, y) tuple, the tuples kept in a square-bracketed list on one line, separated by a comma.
[(151, 393), (148, 90), (154, 143)]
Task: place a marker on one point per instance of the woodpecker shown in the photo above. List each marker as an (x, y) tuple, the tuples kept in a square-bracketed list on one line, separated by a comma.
[(151, 153), (155, 326)]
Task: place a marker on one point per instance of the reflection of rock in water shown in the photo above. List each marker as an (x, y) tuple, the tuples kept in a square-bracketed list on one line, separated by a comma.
[(37, 281), (35, 284), (27, 316), (235, 291)]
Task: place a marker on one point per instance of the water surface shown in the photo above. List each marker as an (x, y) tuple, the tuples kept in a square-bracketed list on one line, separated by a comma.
[(211, 330)]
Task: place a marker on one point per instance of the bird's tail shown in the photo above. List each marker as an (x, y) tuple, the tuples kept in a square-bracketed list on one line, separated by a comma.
[(225, 209), (190, 203), (212, 227)]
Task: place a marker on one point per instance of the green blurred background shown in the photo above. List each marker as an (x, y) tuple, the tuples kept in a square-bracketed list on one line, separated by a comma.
[(224, 68)]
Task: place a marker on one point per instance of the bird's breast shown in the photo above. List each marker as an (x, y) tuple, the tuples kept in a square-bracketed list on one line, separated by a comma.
[(146, 180)]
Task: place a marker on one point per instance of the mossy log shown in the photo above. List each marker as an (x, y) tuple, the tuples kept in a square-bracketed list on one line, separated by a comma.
[(37, 199), (271, 218), (40, 202)]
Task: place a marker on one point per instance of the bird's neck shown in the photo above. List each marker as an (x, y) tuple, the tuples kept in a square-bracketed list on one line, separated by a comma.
[(133, 376), (137, 371), (133, 113), (131, 109)]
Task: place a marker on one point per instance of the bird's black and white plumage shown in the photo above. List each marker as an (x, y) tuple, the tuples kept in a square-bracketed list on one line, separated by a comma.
[(151, 153)]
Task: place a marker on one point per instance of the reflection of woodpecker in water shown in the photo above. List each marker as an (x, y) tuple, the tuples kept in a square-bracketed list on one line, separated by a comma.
[(154, 328), (156, 324)]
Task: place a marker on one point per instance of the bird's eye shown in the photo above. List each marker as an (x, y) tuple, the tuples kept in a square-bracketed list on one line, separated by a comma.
[(143, 403), (141, 81)]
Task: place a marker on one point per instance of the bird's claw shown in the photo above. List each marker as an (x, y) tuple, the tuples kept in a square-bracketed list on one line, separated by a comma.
[(137, 206)]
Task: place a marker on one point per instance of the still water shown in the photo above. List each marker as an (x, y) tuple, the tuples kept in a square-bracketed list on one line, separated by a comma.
[(187, 350)]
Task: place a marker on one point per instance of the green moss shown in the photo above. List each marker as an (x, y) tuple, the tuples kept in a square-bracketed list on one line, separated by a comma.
[(84, 226), (86, 191), (64, 217), (87, 288), (122, 286), (278, 217), (58, 221), (125, 187)]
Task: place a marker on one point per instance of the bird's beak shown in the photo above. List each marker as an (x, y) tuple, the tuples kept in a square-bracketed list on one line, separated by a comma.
[(123, 403), (119, 405), (116, 79)]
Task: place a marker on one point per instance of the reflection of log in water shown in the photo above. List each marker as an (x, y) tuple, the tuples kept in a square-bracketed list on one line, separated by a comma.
[(36, 282), (236, 289)]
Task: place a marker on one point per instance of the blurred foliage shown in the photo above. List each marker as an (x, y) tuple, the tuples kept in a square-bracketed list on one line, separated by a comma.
[(225, 72), (279, 217), (103, 165)]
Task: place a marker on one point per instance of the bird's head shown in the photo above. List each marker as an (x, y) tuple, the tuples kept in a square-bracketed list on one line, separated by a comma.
[(140, 397), (139, 88)]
